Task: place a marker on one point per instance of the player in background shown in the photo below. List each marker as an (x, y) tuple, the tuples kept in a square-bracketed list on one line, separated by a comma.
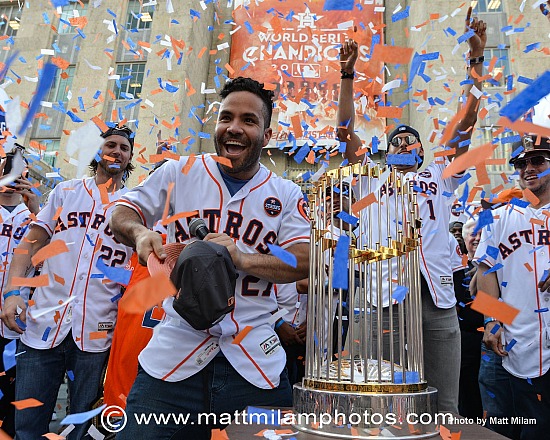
[(246, 208), (441, 333), (513, 266), (74, 336), (17, 202)]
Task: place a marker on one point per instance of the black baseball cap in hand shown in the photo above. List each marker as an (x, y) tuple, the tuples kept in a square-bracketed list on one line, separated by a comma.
[(205, 277)]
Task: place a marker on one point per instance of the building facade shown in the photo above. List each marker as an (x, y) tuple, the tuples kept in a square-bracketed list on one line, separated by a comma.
[(157, 65)]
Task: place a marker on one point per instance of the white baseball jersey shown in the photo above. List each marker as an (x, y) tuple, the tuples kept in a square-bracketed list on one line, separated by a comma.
[(13, 227), (523, 249), (293, 302), (266, 210), (434, 196), (75, 214)]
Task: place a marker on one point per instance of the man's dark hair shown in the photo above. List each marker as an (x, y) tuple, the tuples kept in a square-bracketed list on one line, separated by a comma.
[(242, 84)]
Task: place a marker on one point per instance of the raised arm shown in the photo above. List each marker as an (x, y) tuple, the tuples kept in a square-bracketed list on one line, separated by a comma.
[(464, 128), (346, 109), (128, 228)]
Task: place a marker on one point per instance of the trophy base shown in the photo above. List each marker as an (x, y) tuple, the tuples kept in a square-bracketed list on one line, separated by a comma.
[(352, 415)]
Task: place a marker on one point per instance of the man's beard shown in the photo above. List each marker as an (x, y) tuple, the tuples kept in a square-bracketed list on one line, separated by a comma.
[(110, 170)]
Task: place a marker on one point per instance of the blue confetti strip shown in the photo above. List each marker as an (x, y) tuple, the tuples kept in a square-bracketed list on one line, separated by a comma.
[(496, 267), (338, 5), (528, 98), (400, 159), (399, 293), (116, 274), (48, 75), (401, 14), (495, 329), (510, 345), (348, 218), (8, 356), (284, 256), (340, 273), (79, 418)]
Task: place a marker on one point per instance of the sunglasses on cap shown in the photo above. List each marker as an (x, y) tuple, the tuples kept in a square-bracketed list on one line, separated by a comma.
[(409, 140), (536, 161)]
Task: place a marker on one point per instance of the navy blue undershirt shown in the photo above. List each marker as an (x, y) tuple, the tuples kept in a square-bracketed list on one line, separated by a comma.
[(233, 185)]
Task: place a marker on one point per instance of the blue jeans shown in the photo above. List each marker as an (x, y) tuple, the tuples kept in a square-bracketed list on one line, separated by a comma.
[(441, 339), (217, 389), (40, 374), (531, 402), (496, 393)]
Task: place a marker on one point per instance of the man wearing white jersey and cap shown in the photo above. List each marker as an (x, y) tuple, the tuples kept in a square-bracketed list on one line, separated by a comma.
[(441, 334)]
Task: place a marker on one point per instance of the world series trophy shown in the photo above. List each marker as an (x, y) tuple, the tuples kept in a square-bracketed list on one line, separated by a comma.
[(364, 376)]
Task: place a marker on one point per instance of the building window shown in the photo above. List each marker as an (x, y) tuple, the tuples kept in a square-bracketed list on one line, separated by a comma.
[(297, 171), (10, 18), (129, 85), (486, 6), (47, 149), (75, 8), (502, 66), (139, 17), (61, 86)]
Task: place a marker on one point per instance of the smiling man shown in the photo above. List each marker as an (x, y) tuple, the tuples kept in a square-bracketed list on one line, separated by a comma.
[(75, 335), (441, 334), (520, 239), (247, 208)]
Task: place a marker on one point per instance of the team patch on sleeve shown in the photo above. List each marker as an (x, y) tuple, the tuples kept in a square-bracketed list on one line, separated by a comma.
[(273, 206), (303, 209)]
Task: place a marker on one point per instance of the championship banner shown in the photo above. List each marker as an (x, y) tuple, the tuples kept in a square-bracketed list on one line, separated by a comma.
[(293, 47)]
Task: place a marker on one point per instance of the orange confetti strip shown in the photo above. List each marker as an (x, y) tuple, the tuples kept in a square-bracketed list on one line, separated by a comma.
[(528, 267), (229, 68), (486, 304), (296, 126), (456, 435), (147, 293), (52, 436), (27, 403), (59, 279), (55, 247), (79, 22), (391, 54), (167, 204), (60, 62), (242, 334), (223, 161), (175, 217), (531, 198), (189, 164), (98, 335), (100, 124), (363, 203), (389, 112), (18, 251), (523, 127), (39, 281), (468, 159), (482, 175), (218, 434)]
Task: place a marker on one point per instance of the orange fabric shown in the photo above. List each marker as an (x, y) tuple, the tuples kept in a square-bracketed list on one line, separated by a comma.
[(131, 335)]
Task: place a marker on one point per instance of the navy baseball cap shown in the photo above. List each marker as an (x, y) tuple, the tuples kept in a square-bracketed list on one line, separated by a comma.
[(528, 146), (205, 277), (403, 129)]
